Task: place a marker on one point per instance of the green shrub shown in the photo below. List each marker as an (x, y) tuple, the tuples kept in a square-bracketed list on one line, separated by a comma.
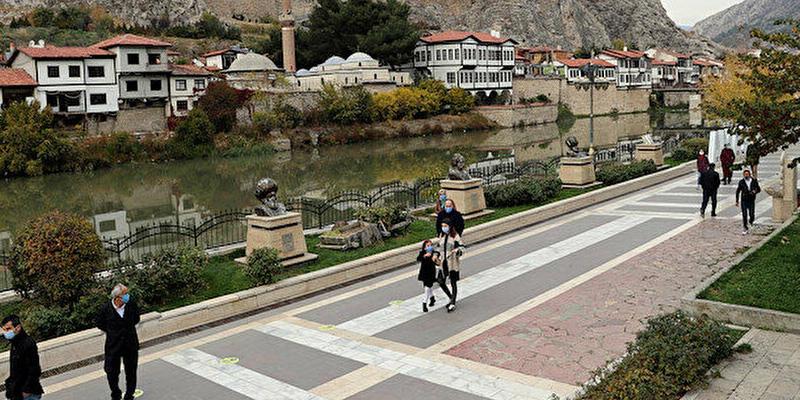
[(694, 145), (163, 276), (219, 103), (54, 258), (44, 322), (106, 150), (668, 358), (525, 190), (680, 154), (566, 119), (614, 173), (279, 116), (345, 106), (30, 146), (406, 103), (388, 214), (262, 265), (458, 101), (194, 136)]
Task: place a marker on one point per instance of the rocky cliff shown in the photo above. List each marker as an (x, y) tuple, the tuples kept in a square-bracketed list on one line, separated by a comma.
[(731, 27), (569, 23)]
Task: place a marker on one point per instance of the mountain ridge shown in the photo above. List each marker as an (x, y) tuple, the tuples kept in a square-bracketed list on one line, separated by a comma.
[(731, 27)]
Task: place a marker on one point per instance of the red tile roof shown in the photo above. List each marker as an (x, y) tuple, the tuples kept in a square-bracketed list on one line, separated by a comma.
[(543, 49), (706, 63), (212, 68), (676, 54), (188, 70), (457, 36), (129, 39), (15, 77), (50, 52), (661, 62), (215, 53), (580, 62), (624, 53)]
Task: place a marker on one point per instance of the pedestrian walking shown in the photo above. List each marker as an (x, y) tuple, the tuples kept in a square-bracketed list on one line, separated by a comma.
[(450, 213), (118, 319), (428, 267), (709, 181), (24, 370), (702, 165), (441, 197), (450, 249), (727, 158), (748, 188)]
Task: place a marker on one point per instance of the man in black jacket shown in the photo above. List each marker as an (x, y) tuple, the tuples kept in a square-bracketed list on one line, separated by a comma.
[(25, 371), (709, 181), (118, 319), (749, 188)]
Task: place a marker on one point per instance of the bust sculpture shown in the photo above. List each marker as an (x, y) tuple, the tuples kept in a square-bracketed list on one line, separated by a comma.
[(267, 193), (572, 145), (458, 170)]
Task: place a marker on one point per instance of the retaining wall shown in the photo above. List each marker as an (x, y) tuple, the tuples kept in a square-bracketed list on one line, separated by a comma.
[(69, 349), (510, 116), (606, 100)]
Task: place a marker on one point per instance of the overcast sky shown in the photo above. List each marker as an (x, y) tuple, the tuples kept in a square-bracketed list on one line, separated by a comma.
[(688, 12)]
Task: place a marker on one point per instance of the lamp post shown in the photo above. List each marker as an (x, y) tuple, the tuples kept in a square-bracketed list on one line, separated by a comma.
[(590, 70)]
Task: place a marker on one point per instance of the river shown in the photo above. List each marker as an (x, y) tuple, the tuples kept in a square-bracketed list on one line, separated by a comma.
[(120, 199)]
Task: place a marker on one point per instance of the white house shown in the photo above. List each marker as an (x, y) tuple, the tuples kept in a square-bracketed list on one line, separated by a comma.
[(574, 70), (15, 85), (70, 80), (481, 63), (221, 60), (142, 69), (633, 68), (358, 69), (703, 68), (670, 68), (186, 84)]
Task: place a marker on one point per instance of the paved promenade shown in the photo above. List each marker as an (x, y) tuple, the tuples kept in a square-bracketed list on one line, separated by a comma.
[(538, 309)]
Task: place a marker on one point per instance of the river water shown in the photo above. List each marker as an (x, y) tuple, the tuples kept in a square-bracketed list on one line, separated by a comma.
[(120, 199)]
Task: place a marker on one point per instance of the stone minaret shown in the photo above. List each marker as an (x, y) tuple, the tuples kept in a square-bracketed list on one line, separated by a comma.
[(287, 34)]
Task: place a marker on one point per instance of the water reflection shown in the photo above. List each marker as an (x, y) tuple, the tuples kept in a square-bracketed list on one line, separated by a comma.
[(123, 199)]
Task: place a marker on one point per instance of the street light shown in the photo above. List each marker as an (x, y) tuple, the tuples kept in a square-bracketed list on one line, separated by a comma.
[(590, 71)]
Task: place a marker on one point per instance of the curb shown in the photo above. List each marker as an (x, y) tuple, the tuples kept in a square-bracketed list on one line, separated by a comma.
[(88, 344), (739, 314)]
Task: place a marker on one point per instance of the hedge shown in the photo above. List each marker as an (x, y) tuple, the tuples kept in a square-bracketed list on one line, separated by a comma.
[(525, 190), (613, 173), (670, 357)]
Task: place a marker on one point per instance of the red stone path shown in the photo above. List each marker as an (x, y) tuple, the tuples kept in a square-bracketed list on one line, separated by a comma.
[(567, 337)]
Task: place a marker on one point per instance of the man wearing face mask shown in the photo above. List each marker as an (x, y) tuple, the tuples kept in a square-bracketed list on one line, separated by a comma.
[(25, 371), (450, 213), (118, 319), (748, 188)]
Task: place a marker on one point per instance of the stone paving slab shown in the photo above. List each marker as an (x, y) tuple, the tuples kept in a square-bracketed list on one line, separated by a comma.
[(402, 387), (770, 372), (578, 331)]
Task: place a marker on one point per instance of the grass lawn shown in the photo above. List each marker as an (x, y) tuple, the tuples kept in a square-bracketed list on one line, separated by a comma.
[(768, 278)]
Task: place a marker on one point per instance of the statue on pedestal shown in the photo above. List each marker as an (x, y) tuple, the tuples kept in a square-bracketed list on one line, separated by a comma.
[(458, 171), (267, 193), (572, 145)]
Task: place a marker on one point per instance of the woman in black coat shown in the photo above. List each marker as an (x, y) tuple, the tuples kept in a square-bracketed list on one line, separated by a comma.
[(428, 264), (450, 212)]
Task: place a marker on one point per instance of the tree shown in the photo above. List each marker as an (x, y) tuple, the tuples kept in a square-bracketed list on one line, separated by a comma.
[(379, 28), (54, 258), (766, 110), (29, 145), (194, 136), (220, 103)]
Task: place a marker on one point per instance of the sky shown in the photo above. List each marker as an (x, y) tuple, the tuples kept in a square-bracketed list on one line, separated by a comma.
[(689, 12)]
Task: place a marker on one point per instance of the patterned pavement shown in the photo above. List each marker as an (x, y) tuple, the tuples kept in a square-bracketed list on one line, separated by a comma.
[(538, 310)]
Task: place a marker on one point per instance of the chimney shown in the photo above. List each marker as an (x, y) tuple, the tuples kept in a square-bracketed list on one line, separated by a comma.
[(495, 33), (41, 43), (12, 47), (624, 48)]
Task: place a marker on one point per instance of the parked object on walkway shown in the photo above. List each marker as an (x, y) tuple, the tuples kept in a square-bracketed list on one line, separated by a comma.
[(25, 371), (748, 188), (784, 192), (118, 319), (709, 181)]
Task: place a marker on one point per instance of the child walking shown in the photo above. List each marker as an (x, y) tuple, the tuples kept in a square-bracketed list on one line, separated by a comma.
[(451, 250), (428, 262)]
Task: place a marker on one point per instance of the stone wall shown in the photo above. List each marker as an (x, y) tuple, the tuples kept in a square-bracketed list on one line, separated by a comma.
[(303, 101), (677, 99), (509, 116), (608, 130), (133, 120), (606, 100)]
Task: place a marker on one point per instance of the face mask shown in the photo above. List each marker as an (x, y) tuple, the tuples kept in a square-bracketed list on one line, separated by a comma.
[(446, 229), (429, 249), (448, 209), (126, 298), (442, 198), (9, 334)]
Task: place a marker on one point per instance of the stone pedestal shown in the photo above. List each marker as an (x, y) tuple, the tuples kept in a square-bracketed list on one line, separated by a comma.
[(784, 193), (653, 152), (283, 233), (577, 171), (468, 197)]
